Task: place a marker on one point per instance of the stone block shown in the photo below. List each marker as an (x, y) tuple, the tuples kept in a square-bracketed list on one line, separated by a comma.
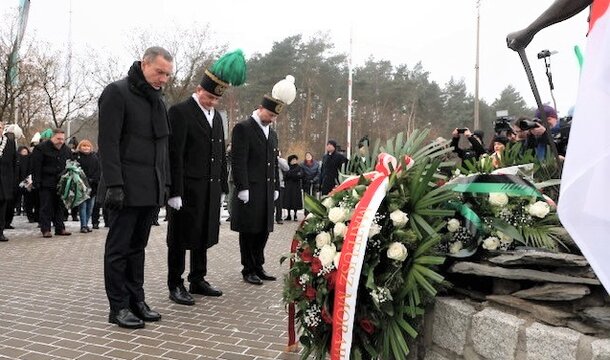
[(601, 349), (495, 334), (433, 355), (547, 342), (451, 323)]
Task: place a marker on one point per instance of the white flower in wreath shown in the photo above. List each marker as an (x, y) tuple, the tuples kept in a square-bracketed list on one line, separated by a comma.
[(455, 247), (397, 251), (323, 238), (374, 230), (337, 214), (539, 209), (491, 243), (504, 239), (498, 199), (310, 216), (453, 225), (337, 259), (399, 218), (457, 172), (355, 194), (328, 202), (340, 229), (327, 254)]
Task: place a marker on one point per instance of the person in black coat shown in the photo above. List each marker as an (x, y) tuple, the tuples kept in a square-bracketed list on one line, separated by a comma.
[(24, 195), (8, 159), (199, 179), (255, 174), (48, 162), (476, 148), (331, 164), (293, 197), (133, 147), (90, 164)]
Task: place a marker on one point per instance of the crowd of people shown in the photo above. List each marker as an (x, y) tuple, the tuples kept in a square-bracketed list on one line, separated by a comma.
[(529, 132), (29, 178)]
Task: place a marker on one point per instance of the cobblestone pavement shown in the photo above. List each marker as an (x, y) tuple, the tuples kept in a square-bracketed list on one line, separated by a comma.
[(53, 304)]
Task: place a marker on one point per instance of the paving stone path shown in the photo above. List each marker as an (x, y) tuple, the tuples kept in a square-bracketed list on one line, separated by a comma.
[(53, 304)]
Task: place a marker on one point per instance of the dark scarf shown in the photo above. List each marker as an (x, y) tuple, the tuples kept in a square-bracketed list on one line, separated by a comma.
[(136, 79), (309, 163)]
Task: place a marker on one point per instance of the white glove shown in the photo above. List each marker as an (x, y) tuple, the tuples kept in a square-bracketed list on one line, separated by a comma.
[(175, 202), (244, 196), (223, 196), (276, 194)]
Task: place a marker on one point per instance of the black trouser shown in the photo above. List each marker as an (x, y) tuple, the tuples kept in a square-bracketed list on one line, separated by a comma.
[(124, 255), (95, 214), (278, 205), (9, 212), (176, 263), (51, 209), (252, 249), (35, 202), (3, 204)]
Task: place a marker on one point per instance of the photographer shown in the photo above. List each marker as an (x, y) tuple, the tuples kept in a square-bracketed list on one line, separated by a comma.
[(536, 132), (476, 140)]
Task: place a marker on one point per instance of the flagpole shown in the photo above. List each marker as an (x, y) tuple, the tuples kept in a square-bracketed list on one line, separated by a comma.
[(476, 68), (349, 96)]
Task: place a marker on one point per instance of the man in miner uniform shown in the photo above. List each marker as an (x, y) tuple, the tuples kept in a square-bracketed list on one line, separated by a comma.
[(255, 174)]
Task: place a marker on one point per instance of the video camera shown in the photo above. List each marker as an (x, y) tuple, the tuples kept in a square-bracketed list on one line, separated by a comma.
[(525, 124), (502, 124), (562, 136)]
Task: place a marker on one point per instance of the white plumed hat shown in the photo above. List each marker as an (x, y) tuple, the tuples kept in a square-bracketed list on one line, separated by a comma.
[(283, 93), (15, 130)]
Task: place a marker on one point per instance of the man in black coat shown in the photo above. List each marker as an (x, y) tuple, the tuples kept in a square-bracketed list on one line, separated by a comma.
[(133, 148), (254, 152), (331, 163), (8, 158), (48, 162), (199, 178)]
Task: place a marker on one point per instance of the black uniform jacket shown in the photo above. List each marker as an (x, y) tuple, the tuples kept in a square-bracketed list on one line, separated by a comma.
[(199, 175), (254, 168)]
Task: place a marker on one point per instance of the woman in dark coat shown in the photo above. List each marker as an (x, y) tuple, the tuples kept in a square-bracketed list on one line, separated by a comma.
[(293, 198), (8, 158), (91, 167)]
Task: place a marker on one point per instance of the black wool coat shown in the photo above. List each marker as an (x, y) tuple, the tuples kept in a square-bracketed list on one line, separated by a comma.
[(293, 197), (254, 168), (48, 163), (199, 176), (8, 163), (90, 164), (131, 156), (329, 175)]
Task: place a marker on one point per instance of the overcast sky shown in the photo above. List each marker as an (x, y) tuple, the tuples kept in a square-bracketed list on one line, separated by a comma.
[(440, 34)]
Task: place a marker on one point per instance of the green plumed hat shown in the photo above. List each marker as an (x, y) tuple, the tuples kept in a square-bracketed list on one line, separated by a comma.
[(229, 70)]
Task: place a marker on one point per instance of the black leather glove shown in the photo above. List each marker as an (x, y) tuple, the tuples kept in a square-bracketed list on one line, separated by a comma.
[(114, 198)]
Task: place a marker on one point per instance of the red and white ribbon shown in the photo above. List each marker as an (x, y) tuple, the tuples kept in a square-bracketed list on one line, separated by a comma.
[(350, 266)]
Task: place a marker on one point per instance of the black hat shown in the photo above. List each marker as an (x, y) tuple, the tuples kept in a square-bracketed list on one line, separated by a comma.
[(292, 157), (282, 94), (501, 139), (230, 69)]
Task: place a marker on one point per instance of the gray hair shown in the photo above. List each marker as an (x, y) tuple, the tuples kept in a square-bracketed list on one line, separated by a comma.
[(152, 52)]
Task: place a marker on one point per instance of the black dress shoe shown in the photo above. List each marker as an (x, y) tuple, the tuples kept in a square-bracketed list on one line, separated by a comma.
[(144, 312), (253, 279), (3, 238), (264, 276), (125, 319), (279, 222), (204, 288), (96, 226), (9, 227), (179, 295)]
